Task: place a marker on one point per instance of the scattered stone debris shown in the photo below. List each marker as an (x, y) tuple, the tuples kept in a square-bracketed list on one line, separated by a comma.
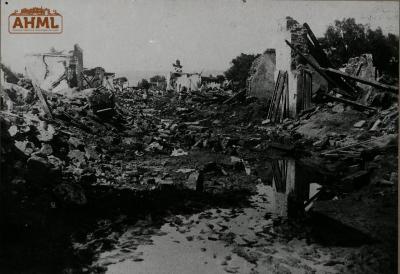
[(68, 148)]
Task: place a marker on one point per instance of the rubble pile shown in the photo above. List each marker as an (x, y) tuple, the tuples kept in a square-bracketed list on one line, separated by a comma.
[(57, 148)]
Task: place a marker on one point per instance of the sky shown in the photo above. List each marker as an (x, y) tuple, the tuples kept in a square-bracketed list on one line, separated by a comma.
[(149, 35)]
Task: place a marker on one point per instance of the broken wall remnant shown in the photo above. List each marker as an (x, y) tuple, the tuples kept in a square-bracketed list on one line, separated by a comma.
[(261, 81), (98, 77), (180, 81), (363, 67), (210, 82), (55, 70), (286, 58), (120, 83), (290, 189), (302, 80), (190, 82), (299, 84)]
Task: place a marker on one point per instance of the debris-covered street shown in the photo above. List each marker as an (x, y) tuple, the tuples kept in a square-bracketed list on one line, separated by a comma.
[(99, 176)]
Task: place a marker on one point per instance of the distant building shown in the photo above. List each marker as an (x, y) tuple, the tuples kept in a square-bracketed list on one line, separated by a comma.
[(180, 81), (97, 77), (212, 82), (121, 83)]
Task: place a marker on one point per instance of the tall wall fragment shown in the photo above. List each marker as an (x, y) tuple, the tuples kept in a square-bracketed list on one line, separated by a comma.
[(287, 60), (56, 70), (261, 81)]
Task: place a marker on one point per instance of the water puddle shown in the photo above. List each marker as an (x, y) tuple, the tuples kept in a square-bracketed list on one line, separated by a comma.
[(259, 238)]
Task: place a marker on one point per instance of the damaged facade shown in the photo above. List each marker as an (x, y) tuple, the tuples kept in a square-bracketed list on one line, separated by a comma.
[(301, 81), (56, 70), (180, 81), (261, 81)]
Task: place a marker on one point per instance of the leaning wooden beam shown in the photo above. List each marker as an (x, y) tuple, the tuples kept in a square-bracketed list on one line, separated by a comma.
[(272, 101), (234, 97), (58, 81), (317, 68), (361, 80), (43, 100), (317, 45), (323, 59), (281, 89), (349, 102), (87, 81)]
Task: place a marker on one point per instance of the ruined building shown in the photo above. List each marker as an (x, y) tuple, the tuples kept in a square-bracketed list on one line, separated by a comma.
[(56, 70), (281, 69), (180, 81), (261, 82)]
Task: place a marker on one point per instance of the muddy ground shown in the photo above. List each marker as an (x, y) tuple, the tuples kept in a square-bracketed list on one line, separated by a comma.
[(192, 185)]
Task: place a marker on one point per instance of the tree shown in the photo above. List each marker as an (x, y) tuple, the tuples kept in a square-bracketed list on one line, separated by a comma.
[(160, 81), (385, 50), (157, 79), (346, 39), (240, 67), (220, 78), (144, 84)]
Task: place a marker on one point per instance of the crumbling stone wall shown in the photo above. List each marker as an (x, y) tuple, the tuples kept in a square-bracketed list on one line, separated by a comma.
[(362, 66), (286, 58), (55, 71), (46, 69), (261, 81), (298, 38)]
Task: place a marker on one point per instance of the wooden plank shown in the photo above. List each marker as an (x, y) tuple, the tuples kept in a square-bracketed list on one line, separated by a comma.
[(349, 102), (278, 98), (285, 100), (317, 46), (285, 113), (375, 84), (308, 91), (234, 97), (272, 102)]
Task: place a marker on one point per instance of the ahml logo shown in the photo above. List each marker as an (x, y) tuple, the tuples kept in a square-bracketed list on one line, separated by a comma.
[(35, 20)]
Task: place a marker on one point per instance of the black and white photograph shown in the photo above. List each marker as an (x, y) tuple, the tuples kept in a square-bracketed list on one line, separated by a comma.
[(199, 137)]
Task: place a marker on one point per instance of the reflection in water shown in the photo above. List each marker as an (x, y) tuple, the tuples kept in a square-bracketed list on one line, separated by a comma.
[(221, 240), (291, 190)]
